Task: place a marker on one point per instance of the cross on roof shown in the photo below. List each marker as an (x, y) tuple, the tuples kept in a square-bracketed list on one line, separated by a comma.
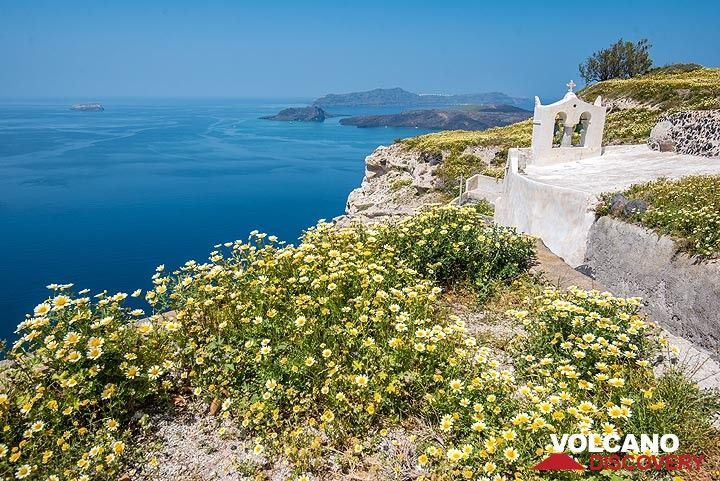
[(570, 85)]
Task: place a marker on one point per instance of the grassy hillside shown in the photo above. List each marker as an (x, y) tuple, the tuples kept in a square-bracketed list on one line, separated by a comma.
[(454, 142), (689, 87), (635, 105)]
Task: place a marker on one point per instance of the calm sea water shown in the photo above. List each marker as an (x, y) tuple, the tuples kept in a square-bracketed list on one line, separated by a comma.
[(101, 198)]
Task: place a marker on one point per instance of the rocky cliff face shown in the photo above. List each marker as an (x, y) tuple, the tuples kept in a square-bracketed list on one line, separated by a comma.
[(397, 182), (695, 132)]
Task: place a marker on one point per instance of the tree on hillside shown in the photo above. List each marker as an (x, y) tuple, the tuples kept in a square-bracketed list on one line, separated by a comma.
[(620, 60)]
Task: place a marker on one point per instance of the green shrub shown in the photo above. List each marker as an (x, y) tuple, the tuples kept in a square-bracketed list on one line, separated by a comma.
[(400, 183), (622, 59), (79, 371), (318, 348), (685, 412), (311, 345), (454, 247)]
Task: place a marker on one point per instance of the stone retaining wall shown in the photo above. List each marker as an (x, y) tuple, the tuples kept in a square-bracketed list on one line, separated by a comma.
[(695, 132), (682, 293)]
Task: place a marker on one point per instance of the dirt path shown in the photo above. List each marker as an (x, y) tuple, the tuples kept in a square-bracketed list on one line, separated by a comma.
[(560, 274)]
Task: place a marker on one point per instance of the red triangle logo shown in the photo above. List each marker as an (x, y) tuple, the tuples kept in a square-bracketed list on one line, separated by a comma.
[(558, 462)]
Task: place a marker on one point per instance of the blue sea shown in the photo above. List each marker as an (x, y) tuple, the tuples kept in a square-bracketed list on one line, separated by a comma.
[(99, 199)]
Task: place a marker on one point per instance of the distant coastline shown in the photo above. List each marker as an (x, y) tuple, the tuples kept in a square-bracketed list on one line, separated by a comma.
[(479, 117), (478, 111), (402, 98)]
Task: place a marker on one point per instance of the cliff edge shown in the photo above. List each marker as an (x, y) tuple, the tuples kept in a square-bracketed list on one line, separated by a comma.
[(397, 182)]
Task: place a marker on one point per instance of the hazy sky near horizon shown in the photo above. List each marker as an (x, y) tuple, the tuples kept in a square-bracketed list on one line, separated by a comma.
[(94, 49)]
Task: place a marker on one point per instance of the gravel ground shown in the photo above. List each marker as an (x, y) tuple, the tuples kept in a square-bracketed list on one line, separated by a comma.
[(189, 446)]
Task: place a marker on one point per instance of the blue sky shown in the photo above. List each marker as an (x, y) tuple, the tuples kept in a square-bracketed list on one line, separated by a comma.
[(100, 49)]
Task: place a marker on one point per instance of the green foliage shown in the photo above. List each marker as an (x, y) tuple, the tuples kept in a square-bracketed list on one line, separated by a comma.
[(457, 166), (687, 209), (400, 183), (462, 166), (622, 60), (630, 126), (684, 412), (455, 249), (79, 372), (315, 349)]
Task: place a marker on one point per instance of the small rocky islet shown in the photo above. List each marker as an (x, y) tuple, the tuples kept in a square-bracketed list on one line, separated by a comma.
[(300, 114), (92, 107)]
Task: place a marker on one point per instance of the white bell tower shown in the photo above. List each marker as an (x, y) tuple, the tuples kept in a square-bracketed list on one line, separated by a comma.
[(567, 130)]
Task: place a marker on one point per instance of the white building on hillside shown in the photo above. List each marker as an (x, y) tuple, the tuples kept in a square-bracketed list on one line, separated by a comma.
[(551, 189), (567, 130)]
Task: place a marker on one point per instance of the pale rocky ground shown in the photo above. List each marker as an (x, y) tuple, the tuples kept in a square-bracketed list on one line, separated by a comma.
[(621, 166), (189, 447)]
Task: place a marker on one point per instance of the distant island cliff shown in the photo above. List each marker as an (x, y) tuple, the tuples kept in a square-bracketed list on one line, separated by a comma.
[(403, 98), (478, 117), (462, 111), (300, 114)]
